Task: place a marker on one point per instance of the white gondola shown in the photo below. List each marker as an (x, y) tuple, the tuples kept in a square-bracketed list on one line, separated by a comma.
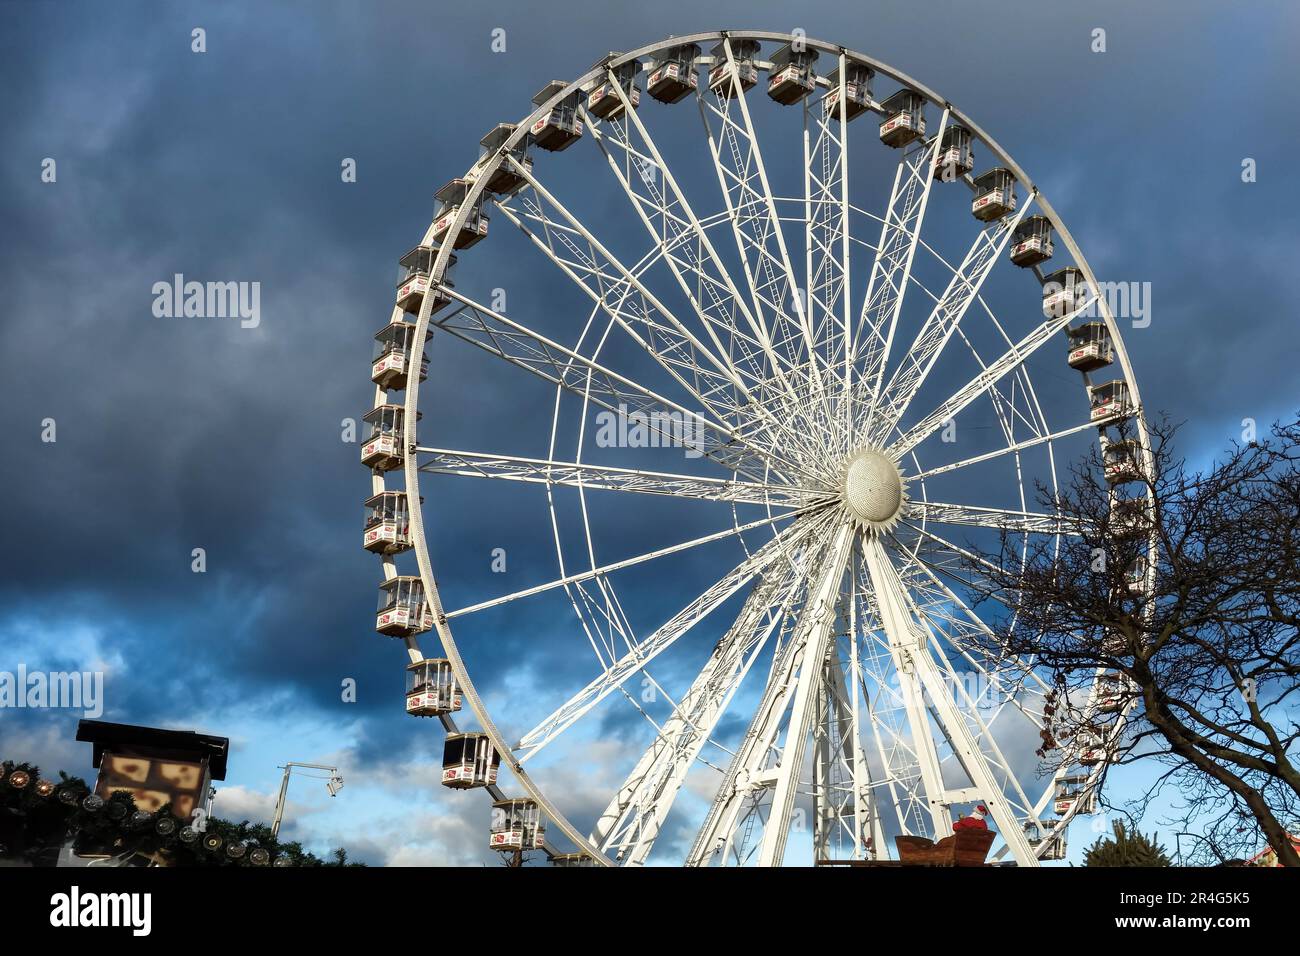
[(1090, 347), (675, 75), (403, 610), (431, 688), (1064, 292), (388, 523), (393, 348), (857, 91), (469, 760), (1135, 575), (1031, 242), (791, 77), (560, 127), (1110, 399), (1112, 693), (573, 860), (995, 194), (904, 118), (1122, 461), (1037, 832), (382, 447), (450, 198), (1129, 517), (1115, 643), (1071, 791), (504, 181), (517, 825), (413, 282), (603, 100), (1091, 747), (743, 52), (956, 156), (1065, 798)]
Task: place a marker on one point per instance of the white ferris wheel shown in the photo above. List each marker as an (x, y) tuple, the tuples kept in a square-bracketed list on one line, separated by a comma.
[(792, 381)]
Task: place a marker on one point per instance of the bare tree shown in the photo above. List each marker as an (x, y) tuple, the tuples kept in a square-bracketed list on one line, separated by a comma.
[(1204, 665)]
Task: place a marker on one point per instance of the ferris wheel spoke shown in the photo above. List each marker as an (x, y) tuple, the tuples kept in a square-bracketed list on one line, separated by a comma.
[(900, 734), (903, 791), (900, 233), (656, 643), (884, 434), (948, 311), (989, 639), (826, 217), (668, 218), (1020, 522), (751, 208), (605, 570), (809, 700), (842, 778), (634, 817), (1010, 449), (1003, 776), (908, 636), (745, 782), (518, 345), (622, 294), (846, 685), (872, 791), (902, 650), (580, 475), (671, 221), (952, 550), (960, 565), (1013, 358), (753, 782), (934, 617)]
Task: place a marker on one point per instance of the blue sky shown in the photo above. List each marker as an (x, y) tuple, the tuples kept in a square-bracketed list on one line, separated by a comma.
[(175, 434)]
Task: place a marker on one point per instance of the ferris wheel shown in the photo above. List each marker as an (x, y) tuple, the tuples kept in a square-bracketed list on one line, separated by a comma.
[(791, 384)]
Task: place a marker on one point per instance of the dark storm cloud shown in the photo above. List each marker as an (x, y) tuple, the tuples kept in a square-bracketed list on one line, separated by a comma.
[(182, 433)]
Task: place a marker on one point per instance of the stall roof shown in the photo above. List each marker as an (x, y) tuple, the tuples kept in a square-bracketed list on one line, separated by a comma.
[(155, 742)]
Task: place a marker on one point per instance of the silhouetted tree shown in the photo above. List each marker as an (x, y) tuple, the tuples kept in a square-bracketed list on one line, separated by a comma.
[(1206, 664)]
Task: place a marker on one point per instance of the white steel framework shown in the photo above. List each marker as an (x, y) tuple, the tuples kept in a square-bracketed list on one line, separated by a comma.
[(724, 290)]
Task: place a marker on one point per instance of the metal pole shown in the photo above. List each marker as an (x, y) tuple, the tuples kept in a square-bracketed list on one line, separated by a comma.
[(279, 804), (284, 790)]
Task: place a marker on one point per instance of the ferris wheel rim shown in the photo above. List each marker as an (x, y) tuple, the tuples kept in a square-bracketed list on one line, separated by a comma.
[(438, 270)]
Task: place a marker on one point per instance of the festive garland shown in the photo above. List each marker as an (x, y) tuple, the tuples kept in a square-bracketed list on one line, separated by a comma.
[(37, 816)]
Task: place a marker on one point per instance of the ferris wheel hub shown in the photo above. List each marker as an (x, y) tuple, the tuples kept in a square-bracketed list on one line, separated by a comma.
[(873, 490)]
